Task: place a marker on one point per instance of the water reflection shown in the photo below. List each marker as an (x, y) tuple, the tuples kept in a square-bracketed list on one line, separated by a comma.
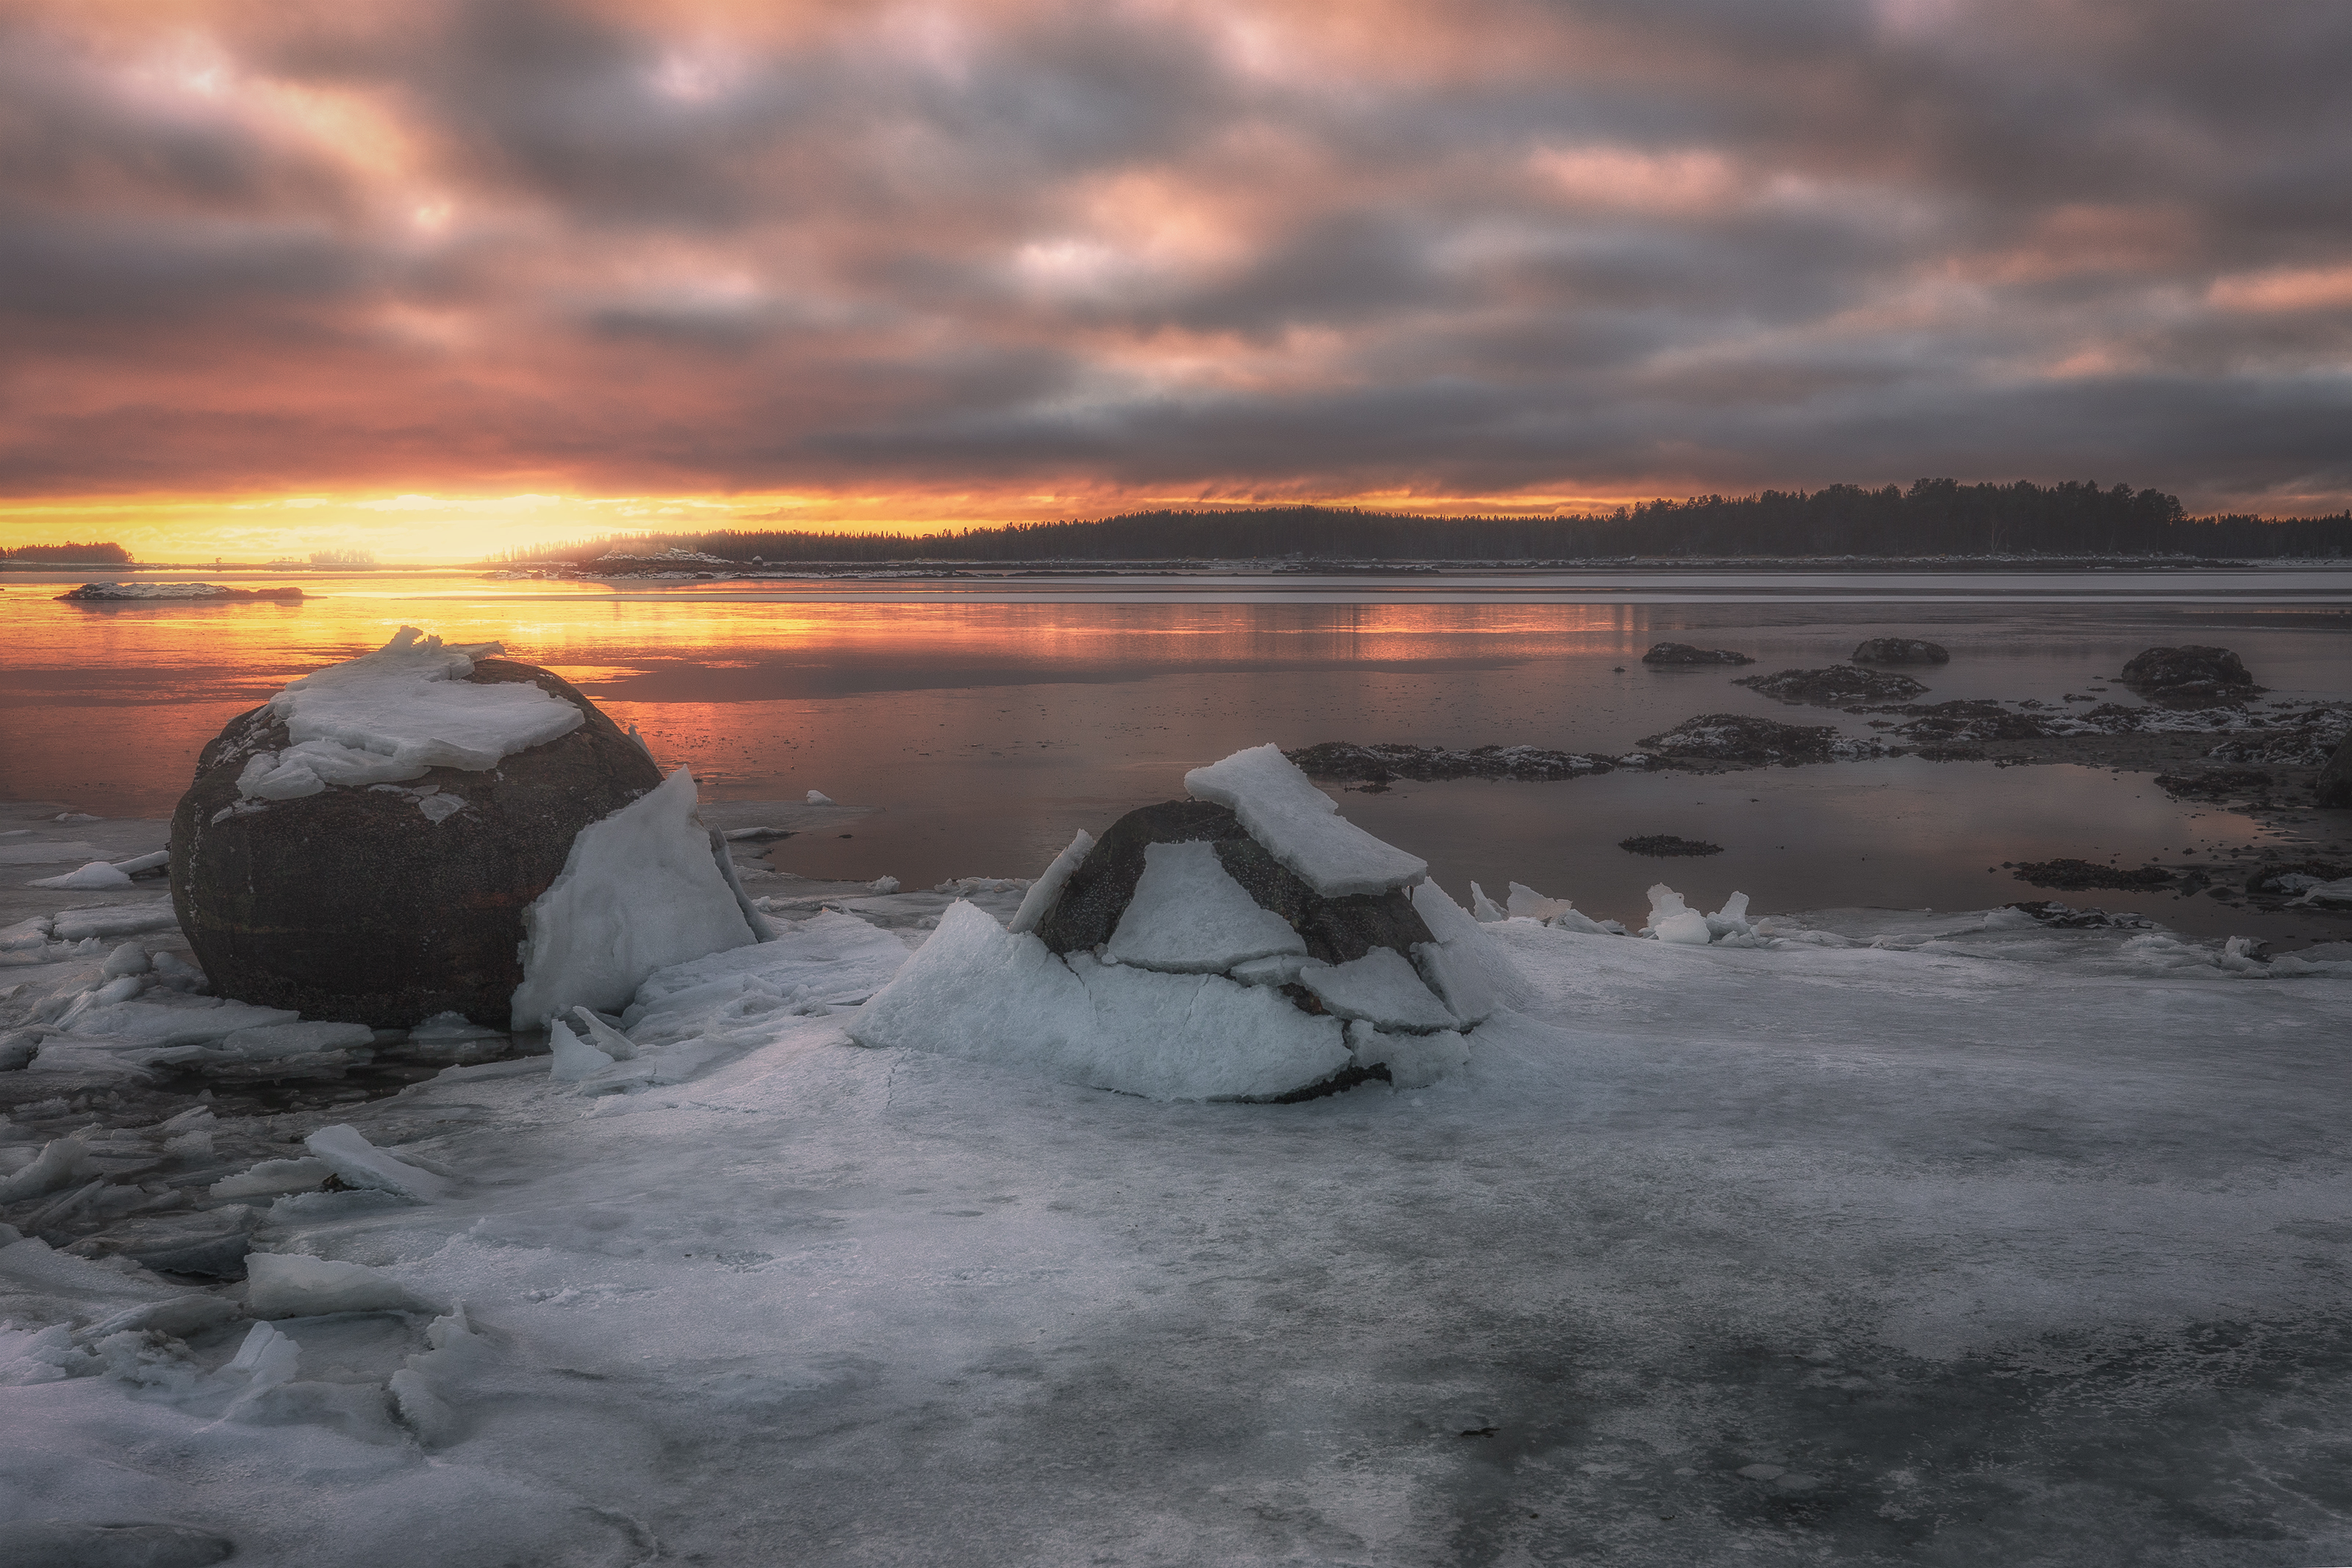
[(989, 730)]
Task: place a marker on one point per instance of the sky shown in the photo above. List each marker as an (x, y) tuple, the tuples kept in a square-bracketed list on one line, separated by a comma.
[(438, 277)]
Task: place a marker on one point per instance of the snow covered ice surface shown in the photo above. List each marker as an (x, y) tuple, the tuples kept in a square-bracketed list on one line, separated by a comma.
[(1859, 1237)]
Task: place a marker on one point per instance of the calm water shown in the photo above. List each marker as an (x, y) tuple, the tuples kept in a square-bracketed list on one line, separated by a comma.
[(990, 717)]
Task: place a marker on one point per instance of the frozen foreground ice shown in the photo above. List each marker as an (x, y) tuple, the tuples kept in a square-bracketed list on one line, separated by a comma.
[(1863, 1237)]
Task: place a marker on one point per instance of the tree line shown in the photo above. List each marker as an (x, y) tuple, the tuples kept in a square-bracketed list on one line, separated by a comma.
[(1933, 518), (96, 554)]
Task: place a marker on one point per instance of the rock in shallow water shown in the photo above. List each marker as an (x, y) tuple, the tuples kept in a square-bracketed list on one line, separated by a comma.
[(1900, 651), (1684, 653), (353, 904)]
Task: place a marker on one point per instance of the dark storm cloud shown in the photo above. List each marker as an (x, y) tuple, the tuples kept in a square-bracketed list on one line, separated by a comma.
[(1180, 247)]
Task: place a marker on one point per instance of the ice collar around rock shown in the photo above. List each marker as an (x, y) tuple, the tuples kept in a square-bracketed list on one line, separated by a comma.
[(391, 716), (1301, 826)]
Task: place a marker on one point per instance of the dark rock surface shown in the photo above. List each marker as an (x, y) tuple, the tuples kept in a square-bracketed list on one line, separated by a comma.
[(1972, 718), (1343, 761), (1835, 686), (1684, 653), (1737, 737), (1662, 845), (2190, 675), (352, 905), (2070, 875), (2333, 788), (2050, 912), (1900, 651), (1336, 929)]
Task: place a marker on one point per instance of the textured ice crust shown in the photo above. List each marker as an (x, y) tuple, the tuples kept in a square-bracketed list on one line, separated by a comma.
[(1188, 915), (1299, 826), (638, 893), (387, 716)]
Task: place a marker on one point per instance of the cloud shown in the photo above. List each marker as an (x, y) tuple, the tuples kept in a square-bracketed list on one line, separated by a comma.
[(1026, 248)]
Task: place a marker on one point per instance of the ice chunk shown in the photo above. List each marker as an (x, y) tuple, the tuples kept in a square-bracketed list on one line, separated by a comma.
[(271, 1178), (1279, 970), (1447, 921), (1483, 909), (178, 1020), (1665, 902), (289, 1285), (638, 893), (308, 767), (1381, 989), (976, 990), (267, 1360), (62, 1162), (1527, 903), (1299, 826), (819, 797), (32, 931), (1199, 1037), (1188, 915), (96, 874), (128, 960), (606, 1038), (1413, 1061), (1459, 977), (446, 1026), (156, 860), (440, 808), (1046, 891), (114, 920), (409, 701), (883, 884), (573, 1058), (1731, 920), (358, 1162), (267, 1040)]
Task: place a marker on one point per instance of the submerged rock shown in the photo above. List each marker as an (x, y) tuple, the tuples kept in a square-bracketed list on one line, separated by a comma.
[(2216, 783), (1662, 846), (1684, 653), (2070, 875), (1836, 687), (388, 902), (1900, 651), (2190, 675), (1379, 764), (1974, 719)]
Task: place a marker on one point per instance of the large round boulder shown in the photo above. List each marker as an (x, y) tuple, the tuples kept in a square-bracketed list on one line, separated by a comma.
[(385, 904), (2333, 788), (2190, 676)]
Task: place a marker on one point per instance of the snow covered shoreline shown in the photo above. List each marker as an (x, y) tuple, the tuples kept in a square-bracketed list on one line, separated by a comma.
[(1897, 1236)]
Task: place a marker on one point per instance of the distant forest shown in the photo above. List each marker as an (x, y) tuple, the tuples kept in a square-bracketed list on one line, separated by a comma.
[(1933, 518), (111, 555)]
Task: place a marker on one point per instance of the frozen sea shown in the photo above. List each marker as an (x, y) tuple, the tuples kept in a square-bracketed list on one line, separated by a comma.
[(991, 717), (1937, 1239)]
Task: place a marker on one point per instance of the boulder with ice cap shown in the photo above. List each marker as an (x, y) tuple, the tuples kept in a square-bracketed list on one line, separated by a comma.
[(363, 847), (1246, 944)]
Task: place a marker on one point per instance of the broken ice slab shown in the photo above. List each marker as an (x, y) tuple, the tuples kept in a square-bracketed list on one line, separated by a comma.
[(1299, 825), (1381, 989), (358, 1162), (1188, 915)]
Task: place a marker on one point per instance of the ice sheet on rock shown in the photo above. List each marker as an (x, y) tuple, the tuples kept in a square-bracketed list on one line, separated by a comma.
[(92, 877), (409, 701), (978, 991), (1301, 826), (1281, 969), (1381, 989), (289, 1285), (1046, 891), (639, 892), (1460, 977), (1198, 1037), (358, 1162), (1413, 1061), (1188, 915)]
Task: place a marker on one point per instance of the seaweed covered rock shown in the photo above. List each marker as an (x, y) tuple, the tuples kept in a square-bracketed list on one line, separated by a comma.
[(365, 846), (1671, 654), (1900, 651), (1738, 738), (2190, 676), (1246, 944), (1839, 685)]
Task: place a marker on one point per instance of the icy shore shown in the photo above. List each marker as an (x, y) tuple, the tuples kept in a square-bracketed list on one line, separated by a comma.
[(1863, 1237)]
